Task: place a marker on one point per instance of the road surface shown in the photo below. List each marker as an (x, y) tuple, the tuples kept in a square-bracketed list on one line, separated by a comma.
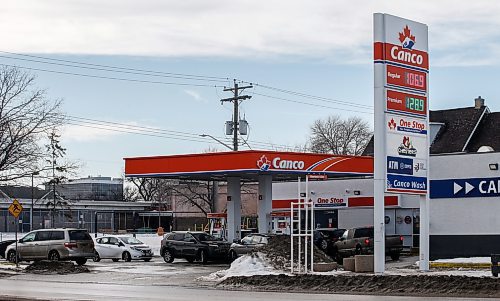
[(54, 290)]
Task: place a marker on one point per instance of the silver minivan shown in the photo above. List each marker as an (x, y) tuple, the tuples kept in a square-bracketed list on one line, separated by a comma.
[(53, 244)]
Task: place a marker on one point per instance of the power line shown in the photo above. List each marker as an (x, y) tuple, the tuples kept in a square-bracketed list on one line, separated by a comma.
[(323, 99), (310, 104), (136, 71), (115, 67), (150, 131), (320, 98), (116, 71), (111, 78)]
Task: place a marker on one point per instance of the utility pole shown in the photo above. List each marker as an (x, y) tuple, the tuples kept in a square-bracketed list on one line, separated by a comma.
[(235, 100)]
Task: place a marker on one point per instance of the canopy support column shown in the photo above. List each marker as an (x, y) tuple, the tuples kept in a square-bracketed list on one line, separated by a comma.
[(233, 208), (264, 204)]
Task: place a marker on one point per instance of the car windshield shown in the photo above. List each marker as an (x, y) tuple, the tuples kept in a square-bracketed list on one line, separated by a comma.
[(131, 240), (205, 237)]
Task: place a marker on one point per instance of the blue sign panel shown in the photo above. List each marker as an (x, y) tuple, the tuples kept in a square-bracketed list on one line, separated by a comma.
[(398, 165), (399, 183), (465, 188), (411, 130)]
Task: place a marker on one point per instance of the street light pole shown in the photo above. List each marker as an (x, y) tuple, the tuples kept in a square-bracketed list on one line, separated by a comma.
[(32, 198), (206, 135)]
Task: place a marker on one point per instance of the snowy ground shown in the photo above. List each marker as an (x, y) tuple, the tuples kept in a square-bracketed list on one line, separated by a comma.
[(259, 265), (466, 260)]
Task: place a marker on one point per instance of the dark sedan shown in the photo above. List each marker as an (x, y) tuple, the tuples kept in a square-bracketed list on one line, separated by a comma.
[(324, 238)]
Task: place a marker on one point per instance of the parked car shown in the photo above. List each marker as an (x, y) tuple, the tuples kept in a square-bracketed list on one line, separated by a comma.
[(325, 238), (248, 244), (3, 246), (360, 241), (124, 247), (53, 244), (193, 246)]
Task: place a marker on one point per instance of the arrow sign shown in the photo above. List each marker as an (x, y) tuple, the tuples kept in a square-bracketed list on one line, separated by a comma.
[(468, 187), (465, 188), (456, 188)]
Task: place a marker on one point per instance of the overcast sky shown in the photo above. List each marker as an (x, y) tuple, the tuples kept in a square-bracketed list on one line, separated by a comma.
[(321, 48)]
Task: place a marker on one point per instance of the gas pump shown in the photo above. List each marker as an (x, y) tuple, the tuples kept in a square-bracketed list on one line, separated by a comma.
[(280, 221), (217, 224)]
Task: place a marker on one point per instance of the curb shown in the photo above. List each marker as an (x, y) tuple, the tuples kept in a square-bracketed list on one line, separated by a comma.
[(460, 265)]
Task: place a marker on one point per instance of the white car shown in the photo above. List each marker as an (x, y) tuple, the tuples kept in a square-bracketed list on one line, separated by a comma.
[(124, 247)]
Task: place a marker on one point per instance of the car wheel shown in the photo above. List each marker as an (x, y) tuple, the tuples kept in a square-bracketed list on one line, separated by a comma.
[(54, 256), (395, 256), (11, 256), (358, 250), (232, 255), (147, 259), (324, 245), (203, 256), (81, 261), (126, 256), (96, 258), (190, 259), (168, 257), (115, 259)]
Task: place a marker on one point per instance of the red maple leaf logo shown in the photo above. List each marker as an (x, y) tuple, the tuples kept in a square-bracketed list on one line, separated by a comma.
[(392, 124), (406, 34), (263, 163)]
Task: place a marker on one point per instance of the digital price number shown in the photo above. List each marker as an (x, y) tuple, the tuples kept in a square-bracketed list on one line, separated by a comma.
[(415, 104), (415, 80)]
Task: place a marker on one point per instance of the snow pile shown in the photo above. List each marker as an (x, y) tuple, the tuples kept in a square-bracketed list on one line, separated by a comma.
[(465, 260), (246, 265)]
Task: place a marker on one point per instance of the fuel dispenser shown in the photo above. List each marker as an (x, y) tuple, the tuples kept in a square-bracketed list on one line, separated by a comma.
[(280, 221), (217, 224)]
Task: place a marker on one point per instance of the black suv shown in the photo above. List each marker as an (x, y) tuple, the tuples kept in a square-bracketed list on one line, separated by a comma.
[(193, 246)]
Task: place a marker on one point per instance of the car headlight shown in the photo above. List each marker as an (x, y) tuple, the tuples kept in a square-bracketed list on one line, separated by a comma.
[(135, 249)]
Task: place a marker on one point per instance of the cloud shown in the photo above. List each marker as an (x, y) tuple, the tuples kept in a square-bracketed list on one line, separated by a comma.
[(338, 31), (195, 95)]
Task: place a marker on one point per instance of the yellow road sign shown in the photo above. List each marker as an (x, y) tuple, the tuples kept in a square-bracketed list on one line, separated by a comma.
[(15, 208)]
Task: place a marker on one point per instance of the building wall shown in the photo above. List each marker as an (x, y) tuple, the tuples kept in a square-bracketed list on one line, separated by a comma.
[(92, 188), (463, 227)]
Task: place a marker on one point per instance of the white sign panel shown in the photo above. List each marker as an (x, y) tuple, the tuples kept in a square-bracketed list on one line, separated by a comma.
[(408, 146), (406, 125)]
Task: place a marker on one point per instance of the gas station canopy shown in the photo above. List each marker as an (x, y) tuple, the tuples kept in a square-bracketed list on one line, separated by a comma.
[(248, 166)]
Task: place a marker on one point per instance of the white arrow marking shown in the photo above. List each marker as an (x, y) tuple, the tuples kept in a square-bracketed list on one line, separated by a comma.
[(456, 188), (468, 187)]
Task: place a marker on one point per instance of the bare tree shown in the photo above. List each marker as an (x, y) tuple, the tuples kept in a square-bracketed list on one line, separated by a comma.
[(26, 115), (200, 194), (151, 190), (341, 137)]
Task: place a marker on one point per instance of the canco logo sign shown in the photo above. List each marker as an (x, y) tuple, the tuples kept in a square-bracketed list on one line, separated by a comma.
[(404, 52), (264, 164)]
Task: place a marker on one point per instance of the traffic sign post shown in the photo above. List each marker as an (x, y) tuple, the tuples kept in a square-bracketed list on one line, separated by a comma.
[(15, 210), (401, 143)]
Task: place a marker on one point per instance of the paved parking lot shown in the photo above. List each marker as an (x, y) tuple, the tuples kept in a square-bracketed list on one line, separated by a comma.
[(155, 272)]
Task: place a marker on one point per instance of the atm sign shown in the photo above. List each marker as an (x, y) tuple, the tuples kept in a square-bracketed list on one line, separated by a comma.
[(411, 104)]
